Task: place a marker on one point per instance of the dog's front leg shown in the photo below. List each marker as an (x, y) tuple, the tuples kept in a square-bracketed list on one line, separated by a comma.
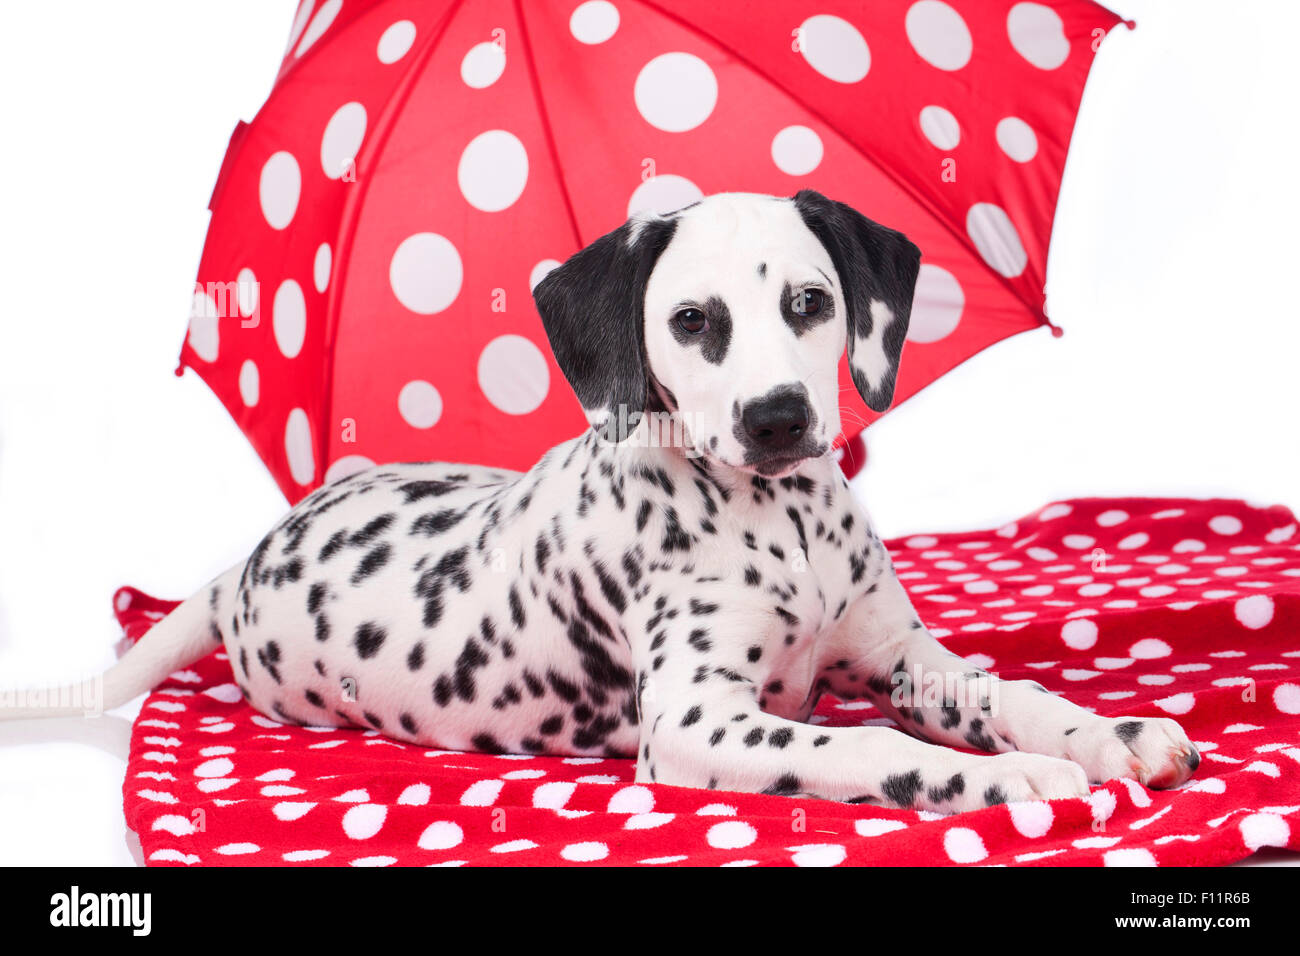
[(701, 726), (936, 695)]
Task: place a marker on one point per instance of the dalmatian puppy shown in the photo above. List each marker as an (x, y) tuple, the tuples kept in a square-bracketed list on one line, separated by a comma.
[(681, 583)]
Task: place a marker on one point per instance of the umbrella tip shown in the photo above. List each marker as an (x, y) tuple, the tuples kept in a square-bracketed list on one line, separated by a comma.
[(1131, 24), (180, 368), (1057, 331)]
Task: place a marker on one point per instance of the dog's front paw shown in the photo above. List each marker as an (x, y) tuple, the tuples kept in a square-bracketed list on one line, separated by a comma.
[(1015, 777), (1151, 750)]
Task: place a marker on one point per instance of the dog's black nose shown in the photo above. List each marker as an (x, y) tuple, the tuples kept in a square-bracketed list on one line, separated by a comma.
[(777, 422)]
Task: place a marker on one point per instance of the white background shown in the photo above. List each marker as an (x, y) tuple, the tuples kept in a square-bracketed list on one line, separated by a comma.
[(1174, 270)]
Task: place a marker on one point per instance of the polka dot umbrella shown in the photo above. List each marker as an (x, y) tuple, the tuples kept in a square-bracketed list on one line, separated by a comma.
[(365, 291)]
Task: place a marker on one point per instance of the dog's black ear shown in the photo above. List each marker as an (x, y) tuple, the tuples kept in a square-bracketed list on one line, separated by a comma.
[(593, 309), (878, 269)]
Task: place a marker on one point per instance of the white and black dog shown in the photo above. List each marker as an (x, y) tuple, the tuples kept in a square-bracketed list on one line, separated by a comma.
[(684, 601)]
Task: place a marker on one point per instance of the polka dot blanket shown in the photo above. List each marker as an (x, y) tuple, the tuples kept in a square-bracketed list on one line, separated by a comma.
[(1146, 607)]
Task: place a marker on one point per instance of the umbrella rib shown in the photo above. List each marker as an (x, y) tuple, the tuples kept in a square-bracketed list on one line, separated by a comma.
[(547, 132), (920, 200), (352, 213)]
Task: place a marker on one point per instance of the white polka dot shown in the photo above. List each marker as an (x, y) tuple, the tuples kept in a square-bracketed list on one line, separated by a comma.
[(1254, 612), (441, 835), (483, 65), (1264, 829), (425, 273), (302, 856), (1031, 819), (1079, 634), (554, 795), (1155, 680), (585, 852), (1134, 856), (676, 92), (247, 291), (249, 383), (663, 194), (1078, 542), (636, 799), (1157, 591), (540, 272), (289, 318), (834, 48), (1037, 33), (347, 466), (1286, 698), (594, 22), (964, 845), (938, 34), (290, 810), (937, 306), (513, 374), (204, 335), (319, 24), (1108, 519), (214, 768), (1225, 524), (921, 541), (940, 127), (1150, 649), (996, 239), (279, 188), (493, 170), (320, 267), (648, 821), (818, 854), (299, 22), (483, 793), (342, 139), (396, 41), (1017, 139), (871, 828), (298, 447), (731, 835), (174, 824), (797, 150), (1051, 512), (1177, 704), (238, 849), (420, 404)]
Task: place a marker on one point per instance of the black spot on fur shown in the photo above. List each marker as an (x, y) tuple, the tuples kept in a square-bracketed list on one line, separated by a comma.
[(784, 786), (1128, 731), (902, 788), (369, 639)]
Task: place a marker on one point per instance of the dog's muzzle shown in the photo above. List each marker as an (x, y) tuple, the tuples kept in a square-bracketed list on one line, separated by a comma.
[(776, 430)]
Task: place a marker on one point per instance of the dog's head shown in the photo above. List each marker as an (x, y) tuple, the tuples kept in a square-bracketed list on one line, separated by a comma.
[(732, 314)]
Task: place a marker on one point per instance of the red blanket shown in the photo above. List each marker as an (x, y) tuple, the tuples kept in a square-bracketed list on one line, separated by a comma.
[(1148, 607)]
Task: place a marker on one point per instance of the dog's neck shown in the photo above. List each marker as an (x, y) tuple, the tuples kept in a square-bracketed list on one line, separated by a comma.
[(658, 442)]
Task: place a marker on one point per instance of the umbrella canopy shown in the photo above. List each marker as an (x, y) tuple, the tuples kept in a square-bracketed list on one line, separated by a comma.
[(365, 291)]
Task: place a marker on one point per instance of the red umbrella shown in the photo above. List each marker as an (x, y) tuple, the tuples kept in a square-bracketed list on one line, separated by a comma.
[(364, 294)]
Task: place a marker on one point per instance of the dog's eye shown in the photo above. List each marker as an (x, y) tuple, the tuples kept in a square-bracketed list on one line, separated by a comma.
[(809, 302), (691, 321)]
